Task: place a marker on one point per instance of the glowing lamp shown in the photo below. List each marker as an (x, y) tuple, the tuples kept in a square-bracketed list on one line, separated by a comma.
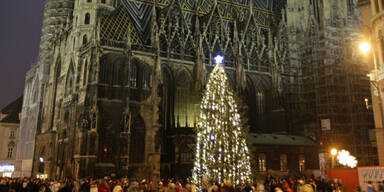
[(333, 152), (365, 47), (219, 59), (41, 160)]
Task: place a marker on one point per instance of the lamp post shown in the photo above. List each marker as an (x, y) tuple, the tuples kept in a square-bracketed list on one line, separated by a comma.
[(366, 48), (333, 154)]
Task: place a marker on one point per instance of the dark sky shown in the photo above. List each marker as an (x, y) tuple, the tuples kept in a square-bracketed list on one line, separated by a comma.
[(20, 29)]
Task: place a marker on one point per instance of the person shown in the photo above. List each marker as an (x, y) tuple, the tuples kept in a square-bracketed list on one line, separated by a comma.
[(118, 187), (303, 187), (103, 186), (93, 186), (370, 187), (381, 186), (286, 187)]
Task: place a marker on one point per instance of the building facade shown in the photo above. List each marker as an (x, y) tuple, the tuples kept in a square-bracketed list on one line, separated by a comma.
[(376, 35), (9, 127), (120, 93)]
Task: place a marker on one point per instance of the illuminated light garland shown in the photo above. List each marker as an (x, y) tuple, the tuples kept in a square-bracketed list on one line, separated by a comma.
[(346, 159), (221, 149)]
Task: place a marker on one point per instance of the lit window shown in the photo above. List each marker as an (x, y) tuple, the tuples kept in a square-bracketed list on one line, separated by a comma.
[(283, 162), (301, 162), (10, 151), (186, 157), (133, 79), (146, 76), (262, 162)]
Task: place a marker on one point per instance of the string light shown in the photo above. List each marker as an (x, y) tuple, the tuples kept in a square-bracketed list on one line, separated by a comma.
[(221, 150)]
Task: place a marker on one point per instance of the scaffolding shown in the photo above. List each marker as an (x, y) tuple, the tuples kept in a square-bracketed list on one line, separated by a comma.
[(332, 84), (57, 14)]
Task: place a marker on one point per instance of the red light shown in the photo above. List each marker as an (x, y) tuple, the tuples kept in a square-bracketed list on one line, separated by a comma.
[(105, 149)]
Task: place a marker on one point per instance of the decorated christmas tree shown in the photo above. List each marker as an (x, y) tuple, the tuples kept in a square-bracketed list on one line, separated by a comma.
[(221, 149)]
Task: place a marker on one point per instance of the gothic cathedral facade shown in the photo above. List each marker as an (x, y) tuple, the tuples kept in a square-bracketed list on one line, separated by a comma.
[(117, 89)]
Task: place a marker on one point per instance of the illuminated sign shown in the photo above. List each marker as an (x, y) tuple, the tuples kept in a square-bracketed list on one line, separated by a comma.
[(6, 168)]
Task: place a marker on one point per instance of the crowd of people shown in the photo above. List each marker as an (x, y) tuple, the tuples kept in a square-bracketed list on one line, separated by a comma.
[(272, 184)]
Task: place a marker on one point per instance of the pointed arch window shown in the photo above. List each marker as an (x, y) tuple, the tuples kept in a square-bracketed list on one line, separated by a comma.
[(85, 72), (260, 107), (133, 75), (87, 19), (146, 78), (69, 82), (85, 40), (186, 102)]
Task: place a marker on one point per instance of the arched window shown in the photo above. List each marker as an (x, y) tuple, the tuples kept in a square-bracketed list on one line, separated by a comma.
[(103, 1), (260, 102), (11, 146), (133, 75), (85, 40), (10, 152), (262, 160), (87, 18), (74, 42), (137, 145), (69, 82), (85, 72), (186, 101), (146, 78)]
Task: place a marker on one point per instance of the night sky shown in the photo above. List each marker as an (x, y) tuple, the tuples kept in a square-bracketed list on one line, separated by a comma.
[(20, 29)]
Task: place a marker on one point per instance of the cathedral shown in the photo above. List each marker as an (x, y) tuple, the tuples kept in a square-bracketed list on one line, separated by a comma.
[(117, 87)]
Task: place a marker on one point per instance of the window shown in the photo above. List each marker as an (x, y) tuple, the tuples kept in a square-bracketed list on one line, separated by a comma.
[(133, 78), (301, 162), (186, 157), (146, 76), (85, 72), (87, 19), (85, 40), (89, 1), (103, 1), (186, 101), (283, 162), (74, 42), (10, 151), (262, 162), (12, 134)]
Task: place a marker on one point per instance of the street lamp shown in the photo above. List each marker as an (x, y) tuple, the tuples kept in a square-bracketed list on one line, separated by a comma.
[(365, 47), (333, 154)]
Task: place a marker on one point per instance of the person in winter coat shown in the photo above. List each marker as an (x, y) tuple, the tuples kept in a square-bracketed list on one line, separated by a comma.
[(303, 187), (103, 186)]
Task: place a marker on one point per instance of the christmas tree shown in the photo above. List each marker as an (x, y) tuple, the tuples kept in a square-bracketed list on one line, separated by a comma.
[(221, 149)]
